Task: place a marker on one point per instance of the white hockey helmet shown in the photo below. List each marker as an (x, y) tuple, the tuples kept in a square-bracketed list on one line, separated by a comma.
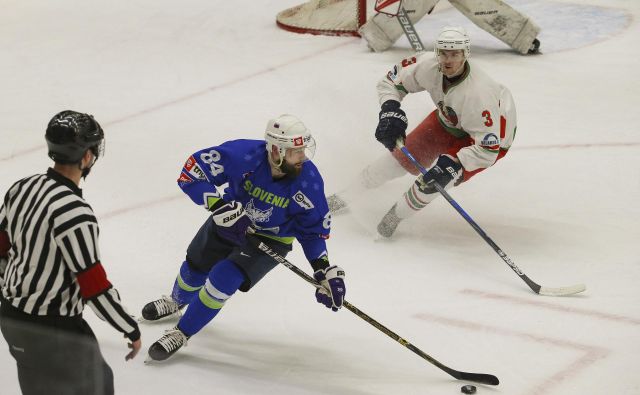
[(452, 38), (288, 132)]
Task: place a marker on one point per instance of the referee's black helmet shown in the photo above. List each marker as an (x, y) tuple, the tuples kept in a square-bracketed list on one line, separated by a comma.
[(70, 134)]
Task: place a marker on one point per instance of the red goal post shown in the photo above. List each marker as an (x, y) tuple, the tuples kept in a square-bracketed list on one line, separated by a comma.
[(325, 17)]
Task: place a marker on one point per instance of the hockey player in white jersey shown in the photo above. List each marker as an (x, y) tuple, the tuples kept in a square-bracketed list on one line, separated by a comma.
[(472, 127), (493, 16)]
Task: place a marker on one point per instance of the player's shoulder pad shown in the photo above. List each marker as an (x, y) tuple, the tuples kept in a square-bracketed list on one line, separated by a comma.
[(483, 79), (310, 172), (427, 60), (241, 151), (243, 147), (308, 190)]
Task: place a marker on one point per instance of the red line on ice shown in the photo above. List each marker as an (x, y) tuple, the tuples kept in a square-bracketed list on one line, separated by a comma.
[(589, 354), (190, 96), (552, 306), (141, 205)]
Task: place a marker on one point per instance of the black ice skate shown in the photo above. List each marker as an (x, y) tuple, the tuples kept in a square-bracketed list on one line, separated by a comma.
[(336, 203), (535, 47), (389, 223), (161, 308), (167, 345)]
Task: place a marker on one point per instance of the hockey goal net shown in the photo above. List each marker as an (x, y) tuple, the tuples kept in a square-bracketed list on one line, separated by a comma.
[(325, 17)]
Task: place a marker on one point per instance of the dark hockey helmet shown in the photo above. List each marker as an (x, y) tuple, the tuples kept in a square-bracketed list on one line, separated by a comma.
[(70, 134)]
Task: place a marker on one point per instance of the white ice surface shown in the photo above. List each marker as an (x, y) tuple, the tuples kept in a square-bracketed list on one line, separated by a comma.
[(166, 78)]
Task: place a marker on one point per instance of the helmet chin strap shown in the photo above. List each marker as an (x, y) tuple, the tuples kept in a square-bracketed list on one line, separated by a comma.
[(85, 173), (87, 170), (274, 165)]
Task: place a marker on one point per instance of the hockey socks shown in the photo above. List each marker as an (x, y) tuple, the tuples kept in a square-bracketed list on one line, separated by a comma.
[(223, 281), (188, 282)]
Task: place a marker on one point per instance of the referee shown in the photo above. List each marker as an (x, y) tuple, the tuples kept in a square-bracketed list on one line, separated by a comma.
[(49, 243)]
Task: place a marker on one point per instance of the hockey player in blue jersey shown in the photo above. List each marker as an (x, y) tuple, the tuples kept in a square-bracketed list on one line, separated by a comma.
[(272, 192)]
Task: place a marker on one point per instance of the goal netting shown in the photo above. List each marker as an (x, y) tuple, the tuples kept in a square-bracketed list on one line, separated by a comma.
[(325, 17)]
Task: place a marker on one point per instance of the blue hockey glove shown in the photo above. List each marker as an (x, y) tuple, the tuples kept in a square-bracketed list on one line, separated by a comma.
[(445, 170), (333, 289), (231, 222), (392, 124)]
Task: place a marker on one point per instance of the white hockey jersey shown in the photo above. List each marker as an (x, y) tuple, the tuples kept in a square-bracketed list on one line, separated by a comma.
[(475, 105)]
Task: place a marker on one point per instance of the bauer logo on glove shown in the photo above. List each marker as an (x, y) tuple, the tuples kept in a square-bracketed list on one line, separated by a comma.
[(233, 216), (393, 114), (232, 222)]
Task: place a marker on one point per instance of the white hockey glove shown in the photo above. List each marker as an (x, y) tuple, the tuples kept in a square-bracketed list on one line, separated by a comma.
[(333, 289)]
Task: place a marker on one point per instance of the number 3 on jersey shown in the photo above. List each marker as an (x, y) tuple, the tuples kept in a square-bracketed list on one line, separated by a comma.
[(408, 61), (487, 116), (211, 158)]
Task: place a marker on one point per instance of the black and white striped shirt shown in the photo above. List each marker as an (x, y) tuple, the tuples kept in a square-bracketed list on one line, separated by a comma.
[(54, 260)]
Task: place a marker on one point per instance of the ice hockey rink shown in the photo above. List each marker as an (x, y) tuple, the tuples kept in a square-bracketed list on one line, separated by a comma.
[(166, 78)]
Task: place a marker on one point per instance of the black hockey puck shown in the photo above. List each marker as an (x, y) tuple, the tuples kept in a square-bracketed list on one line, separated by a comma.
[(468, 389)]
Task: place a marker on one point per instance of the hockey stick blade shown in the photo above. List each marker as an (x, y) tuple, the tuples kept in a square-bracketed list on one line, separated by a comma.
[(481, 378), (547, 291), (476, 377), (562, 291), (540, 290)]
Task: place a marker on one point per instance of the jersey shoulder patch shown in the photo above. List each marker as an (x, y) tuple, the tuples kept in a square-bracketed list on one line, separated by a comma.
[(490, 141), (194, 170), (303, 201)]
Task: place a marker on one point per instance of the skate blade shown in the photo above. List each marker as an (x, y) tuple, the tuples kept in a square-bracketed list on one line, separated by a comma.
[(150, 361), (379, 238), (174, 316)]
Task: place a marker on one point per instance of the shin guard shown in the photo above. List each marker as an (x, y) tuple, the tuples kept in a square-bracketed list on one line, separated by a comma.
[(223, 281), (187, 284)]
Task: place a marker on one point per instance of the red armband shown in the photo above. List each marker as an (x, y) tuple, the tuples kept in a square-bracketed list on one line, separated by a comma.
[(93, 281), (4, 244)]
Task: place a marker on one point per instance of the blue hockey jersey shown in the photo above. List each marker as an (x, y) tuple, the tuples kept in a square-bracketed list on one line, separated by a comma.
[(283, 209)]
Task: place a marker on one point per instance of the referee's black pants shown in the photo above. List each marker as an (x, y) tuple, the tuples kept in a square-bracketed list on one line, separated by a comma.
[(55, 355)]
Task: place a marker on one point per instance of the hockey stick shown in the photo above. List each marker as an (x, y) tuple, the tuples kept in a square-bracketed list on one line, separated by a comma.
[(548, 291), (476, 377), (409, 30), (401, 15)]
